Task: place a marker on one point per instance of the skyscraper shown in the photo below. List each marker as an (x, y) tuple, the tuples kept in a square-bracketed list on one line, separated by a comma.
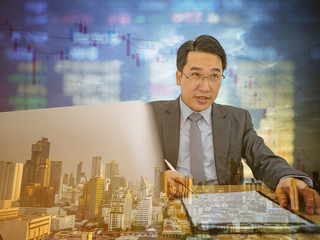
[(37, 169), (144, 188), (112, 169), (71, 179), (79, 172), (90, 203), (10, 180), (56, 175), (65, 179), (35, 190), (121, 210), (157, 182), (116, 182), (143, 216), (95, 198), (96, 170)]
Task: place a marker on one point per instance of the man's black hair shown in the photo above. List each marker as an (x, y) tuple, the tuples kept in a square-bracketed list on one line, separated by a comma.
[(203, 43)]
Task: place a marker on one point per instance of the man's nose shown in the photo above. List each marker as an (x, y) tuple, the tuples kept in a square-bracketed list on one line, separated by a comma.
[(204, 84)]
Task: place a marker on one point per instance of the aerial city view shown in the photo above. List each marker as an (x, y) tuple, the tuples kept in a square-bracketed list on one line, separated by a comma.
[(50, 204)]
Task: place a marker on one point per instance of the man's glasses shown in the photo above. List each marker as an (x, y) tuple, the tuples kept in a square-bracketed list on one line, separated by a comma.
[(196, 77)]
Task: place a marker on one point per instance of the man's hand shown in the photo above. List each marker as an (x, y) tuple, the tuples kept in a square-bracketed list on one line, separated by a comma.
[(287, 192), (177, 184)]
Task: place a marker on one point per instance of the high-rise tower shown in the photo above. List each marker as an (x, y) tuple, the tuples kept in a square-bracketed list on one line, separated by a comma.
[(79, 172), (96, 170), (95, 192), (143, 214), (112, 169), (35, 189), (56, 175), (90, 203), (121, 210), (157, 182), (37, 169), (10, 180)]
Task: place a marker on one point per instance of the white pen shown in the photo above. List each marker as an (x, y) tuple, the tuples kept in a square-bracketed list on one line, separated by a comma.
[(173, 169), (170, 166)]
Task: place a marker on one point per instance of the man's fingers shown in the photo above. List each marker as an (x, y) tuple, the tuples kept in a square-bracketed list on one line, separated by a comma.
[(316, 202), (288, 189), (281, 197), (308, 200), (312, 201), (174, 182), (177, 181)]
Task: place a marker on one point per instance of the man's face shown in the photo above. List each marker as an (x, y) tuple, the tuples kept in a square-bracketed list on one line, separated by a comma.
[(199, 95)]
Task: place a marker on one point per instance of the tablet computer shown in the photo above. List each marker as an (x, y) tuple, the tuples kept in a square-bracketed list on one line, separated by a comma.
[(243, 212)]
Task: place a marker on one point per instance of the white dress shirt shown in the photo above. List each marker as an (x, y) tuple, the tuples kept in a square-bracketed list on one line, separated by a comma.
[(205, 127)]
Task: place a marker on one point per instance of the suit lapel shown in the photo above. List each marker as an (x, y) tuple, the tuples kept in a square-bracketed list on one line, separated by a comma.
[(221, 139), (171, 132)]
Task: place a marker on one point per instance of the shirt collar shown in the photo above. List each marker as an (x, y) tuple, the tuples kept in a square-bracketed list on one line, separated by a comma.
[(186, 111)]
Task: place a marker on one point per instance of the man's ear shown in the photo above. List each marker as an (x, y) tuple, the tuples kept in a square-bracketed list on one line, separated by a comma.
[(178, 78)]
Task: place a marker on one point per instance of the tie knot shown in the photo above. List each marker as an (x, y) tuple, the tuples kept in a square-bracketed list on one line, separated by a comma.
[(195, 117)]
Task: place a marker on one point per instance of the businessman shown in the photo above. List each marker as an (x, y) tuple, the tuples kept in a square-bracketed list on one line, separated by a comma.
[(207, 141)]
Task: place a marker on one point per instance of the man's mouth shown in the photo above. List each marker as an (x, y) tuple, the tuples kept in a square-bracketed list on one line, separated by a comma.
[(202, 99)]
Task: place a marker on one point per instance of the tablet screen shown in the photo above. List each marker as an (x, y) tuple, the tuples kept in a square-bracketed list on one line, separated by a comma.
[(242, 212)]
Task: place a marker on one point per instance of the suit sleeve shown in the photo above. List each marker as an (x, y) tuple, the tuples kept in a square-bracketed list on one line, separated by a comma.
[(265, 165)]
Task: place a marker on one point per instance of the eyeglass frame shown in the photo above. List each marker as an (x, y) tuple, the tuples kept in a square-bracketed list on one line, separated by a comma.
[(221, 76)]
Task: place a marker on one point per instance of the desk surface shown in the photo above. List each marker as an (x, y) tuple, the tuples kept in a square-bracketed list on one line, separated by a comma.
[(267, 191)]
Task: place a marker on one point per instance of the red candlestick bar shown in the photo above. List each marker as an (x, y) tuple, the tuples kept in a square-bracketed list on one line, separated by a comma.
[(34, 67)]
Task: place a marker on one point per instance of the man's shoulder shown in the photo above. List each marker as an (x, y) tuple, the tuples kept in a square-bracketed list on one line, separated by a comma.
[(229, 111), (228, 108)]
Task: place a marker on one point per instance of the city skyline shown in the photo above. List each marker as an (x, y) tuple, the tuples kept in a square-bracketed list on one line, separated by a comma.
[(82, 132), (110, 202)]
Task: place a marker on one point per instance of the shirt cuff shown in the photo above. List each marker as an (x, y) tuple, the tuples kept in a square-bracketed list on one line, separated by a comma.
[(307, 180)]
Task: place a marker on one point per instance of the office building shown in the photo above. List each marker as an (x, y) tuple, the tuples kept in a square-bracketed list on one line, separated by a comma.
[(37, 169), (95, 197), (143, 216), (83, 178), (26, 227), (62, 222), (157, 215), (143, 188), (36, 195), (10, 180), (121, 210), (118, 182), (112, 169), (8, 213), (96, 169), (90, 203), (74, 235), (157, 183), (71, 193), (35, 190), (79, 172), (65, 179), (72, 180), (115, 183), (56, 175), (41, 210)]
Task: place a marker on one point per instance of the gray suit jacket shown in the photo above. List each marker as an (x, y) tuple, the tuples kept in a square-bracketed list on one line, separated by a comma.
[(233, 138)]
